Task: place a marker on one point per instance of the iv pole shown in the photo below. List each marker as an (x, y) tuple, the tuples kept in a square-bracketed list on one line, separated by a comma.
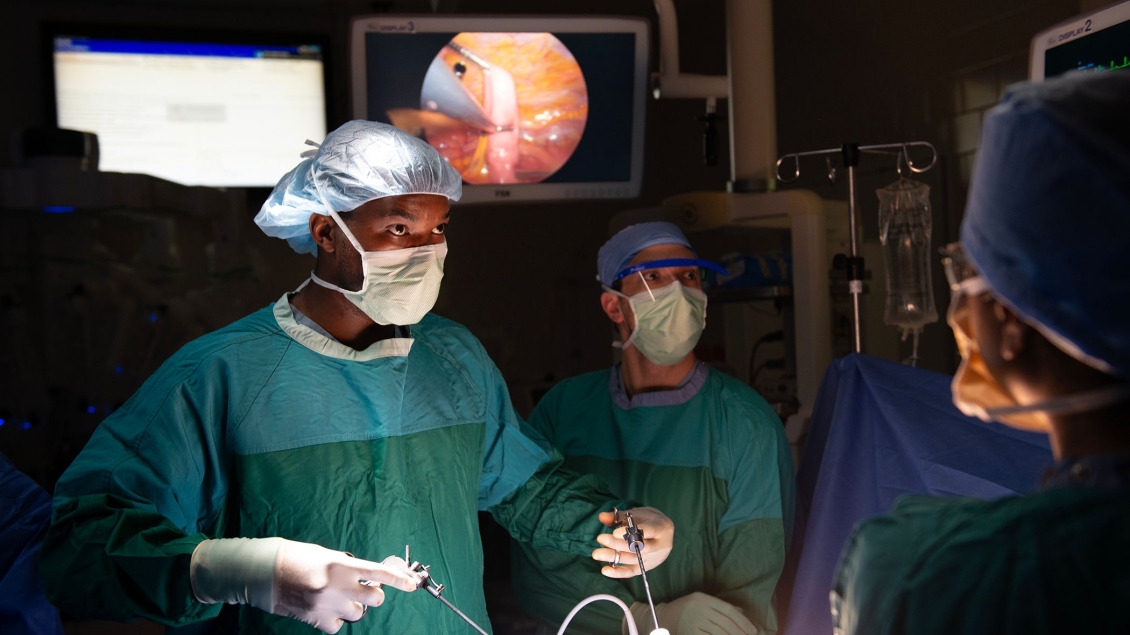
[(850, 152)]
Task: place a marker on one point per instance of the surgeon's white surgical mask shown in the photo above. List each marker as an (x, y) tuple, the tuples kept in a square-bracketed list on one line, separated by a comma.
[(669, 321), (976, 393), (400, 285)]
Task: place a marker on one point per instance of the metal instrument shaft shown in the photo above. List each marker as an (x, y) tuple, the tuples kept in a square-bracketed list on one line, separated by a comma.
[(634, 537), (434, 588)]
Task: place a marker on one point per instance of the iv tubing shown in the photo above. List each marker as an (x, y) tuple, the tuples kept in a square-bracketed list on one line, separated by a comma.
[(594, 598)]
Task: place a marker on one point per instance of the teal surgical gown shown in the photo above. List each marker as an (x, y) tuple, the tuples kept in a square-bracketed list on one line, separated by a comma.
[(1057, 561), (269, 428), (711, 454)]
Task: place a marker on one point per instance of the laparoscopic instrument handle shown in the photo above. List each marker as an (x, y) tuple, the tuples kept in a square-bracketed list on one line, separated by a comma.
[(633, 535), (424, 581)]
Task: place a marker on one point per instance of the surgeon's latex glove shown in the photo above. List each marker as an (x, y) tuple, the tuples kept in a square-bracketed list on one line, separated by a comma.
[(309, 583), (658, 534), (694, 614)]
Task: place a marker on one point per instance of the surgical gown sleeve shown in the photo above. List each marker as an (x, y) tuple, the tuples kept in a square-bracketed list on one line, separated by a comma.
[(752, 535), (149, 486), (559, 582), (525, 486)]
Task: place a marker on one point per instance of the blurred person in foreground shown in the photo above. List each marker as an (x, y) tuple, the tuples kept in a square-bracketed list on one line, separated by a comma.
[(1041, 313)]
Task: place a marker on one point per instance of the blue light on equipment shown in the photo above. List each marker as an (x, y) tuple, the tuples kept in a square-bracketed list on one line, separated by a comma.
[(26, 425), (1, 422), (58, 209), (153, 317), (118, 369), (90, 410)]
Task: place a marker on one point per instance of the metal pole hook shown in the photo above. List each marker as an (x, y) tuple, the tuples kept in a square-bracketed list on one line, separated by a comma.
[(910, 164), (796, 168)]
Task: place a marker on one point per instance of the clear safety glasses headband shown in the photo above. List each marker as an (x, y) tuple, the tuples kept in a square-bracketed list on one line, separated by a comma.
[(669, 262)]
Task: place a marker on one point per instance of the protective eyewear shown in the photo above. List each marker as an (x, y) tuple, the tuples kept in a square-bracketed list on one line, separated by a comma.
[(670, 262), (957, 267), (963, 278)]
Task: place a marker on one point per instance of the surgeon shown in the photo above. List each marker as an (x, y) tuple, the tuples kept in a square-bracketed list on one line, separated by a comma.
[(1041, 313), (279, 462), (665, 429)]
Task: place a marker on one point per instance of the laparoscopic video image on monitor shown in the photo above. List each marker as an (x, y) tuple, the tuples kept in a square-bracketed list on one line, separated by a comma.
[(510, 107)]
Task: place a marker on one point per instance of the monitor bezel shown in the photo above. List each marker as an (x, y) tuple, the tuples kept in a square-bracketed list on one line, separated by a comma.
[(1070, 30), (51, 30), (408, 24)]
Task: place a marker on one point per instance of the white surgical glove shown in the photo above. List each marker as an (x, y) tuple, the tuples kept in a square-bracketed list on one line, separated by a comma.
[(309, 583), (694, 614), (658, 537)]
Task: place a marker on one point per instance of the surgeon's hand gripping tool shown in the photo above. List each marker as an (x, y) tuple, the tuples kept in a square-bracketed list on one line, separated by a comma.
[(633, 535)]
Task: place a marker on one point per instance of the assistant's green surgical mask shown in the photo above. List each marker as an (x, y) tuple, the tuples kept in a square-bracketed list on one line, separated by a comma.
[(669, 322)]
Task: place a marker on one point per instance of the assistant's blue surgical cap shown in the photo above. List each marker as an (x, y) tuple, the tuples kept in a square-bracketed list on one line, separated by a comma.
[(621, 248), (1048, 218), (357, 163)]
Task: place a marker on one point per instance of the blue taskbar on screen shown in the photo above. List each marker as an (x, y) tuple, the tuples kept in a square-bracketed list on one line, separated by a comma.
[(195, 49)]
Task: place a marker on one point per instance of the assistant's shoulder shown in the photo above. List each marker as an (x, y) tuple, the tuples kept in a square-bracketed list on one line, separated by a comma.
[(747, 414), (548, 413), (584, 385)]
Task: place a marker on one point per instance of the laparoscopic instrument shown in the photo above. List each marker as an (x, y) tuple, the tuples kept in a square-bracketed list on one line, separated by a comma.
[(633, 535), (424, 581)]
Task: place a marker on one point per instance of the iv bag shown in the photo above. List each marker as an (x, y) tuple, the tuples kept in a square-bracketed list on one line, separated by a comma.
[(904, 229)]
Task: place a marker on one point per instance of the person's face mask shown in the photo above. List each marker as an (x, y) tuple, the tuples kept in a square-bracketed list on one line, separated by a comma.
[(976, 393), (400, 286), (668, 322)]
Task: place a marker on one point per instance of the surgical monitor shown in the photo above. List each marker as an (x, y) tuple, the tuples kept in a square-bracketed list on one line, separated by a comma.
[(192, 110), (525, 108), (1094, 42)]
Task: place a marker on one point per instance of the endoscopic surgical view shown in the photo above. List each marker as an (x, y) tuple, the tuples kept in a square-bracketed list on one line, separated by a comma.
[(501, 107)]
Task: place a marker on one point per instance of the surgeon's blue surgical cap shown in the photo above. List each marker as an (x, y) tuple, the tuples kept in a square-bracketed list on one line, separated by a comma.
[(621, 248), (1048, 218), (357, 163)]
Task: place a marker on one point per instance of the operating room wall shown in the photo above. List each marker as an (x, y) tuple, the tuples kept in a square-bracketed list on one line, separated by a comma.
[(520, 276), (881, 71)]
